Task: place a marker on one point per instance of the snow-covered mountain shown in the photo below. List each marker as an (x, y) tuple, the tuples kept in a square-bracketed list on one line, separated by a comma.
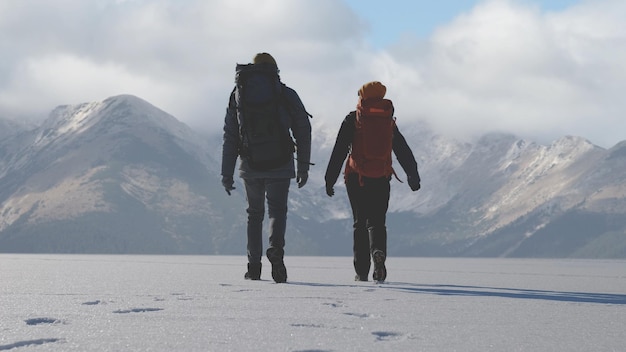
[(121, 176), (505, 196), (116, 176)]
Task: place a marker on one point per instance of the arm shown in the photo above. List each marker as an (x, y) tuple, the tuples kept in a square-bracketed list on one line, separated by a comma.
[(340, 150), (406, 159), (230, 146), (301, 129)]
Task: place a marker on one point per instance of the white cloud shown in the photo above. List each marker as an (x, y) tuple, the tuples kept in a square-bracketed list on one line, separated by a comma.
[(49, 80), (505, 65), (509, 67), (180, 56)]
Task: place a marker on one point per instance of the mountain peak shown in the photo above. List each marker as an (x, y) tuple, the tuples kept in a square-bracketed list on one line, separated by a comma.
[(125, 106), (127, 97), (130, 101), (124, 109), (571, 147)]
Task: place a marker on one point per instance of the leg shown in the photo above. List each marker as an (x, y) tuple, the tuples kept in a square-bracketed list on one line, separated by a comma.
[(277, 195), (255, 193), (378, 192), (361, 246), (378, 203)]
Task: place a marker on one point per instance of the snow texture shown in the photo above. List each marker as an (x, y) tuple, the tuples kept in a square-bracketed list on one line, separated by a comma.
[(202, 303)]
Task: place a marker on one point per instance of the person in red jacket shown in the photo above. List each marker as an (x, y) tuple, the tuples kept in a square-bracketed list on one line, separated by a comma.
[(368, 186)]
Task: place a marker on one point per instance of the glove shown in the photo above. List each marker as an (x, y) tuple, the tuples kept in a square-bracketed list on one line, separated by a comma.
[(414, 183), (228, 182), (330, 190), (301, 178)]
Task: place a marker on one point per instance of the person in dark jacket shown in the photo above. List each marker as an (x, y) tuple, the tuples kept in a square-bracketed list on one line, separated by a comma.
[(369, 197), (271, 185)]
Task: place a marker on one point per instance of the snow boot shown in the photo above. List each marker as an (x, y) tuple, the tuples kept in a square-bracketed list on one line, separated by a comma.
[(279, 271), (254, 272), (360, 278), (380, 271)]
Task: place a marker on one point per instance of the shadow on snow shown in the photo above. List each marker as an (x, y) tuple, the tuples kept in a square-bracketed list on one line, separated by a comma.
[(478, 291)]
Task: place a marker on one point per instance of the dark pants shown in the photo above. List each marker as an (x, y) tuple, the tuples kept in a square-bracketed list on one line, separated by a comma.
[(369, 204), (276, 191)]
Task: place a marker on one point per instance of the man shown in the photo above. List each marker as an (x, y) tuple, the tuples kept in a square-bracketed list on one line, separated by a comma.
[(370, 134), (261, 107)]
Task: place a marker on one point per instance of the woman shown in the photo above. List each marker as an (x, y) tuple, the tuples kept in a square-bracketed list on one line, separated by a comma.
[(369, 135)]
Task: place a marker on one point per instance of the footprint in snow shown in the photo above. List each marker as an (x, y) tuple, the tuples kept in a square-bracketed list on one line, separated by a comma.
[(386, 335), (27, 343), (307, 325), (39, 321), (358, 315), (137, 310), (92, 303), (335, 305)]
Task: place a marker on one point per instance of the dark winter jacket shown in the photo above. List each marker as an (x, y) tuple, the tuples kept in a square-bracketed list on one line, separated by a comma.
[(344, 142), (294, 116)]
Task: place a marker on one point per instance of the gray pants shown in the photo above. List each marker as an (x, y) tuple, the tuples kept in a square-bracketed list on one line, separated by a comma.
[(276, 190)]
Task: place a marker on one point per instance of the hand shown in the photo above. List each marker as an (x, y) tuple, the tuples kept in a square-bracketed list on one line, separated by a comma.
[(301, 178), (228, 182), (330, 190), (414, 183)]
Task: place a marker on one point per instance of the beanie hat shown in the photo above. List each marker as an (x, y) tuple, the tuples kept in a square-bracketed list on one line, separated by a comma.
[(264, 58), (373, 89)]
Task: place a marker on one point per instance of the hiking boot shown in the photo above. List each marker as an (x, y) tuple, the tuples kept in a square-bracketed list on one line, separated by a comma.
[(380, 272), (279, 271), (360, 278), (254, 272)]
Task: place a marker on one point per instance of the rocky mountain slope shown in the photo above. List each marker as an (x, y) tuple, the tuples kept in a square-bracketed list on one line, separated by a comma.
[(517, 198), (122, 176), (117, 176)]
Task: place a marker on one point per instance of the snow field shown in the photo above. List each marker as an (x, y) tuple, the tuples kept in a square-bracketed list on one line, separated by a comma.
[(202, 303)]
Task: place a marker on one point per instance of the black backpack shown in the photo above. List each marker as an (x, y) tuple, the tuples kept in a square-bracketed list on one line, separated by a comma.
[(265, 140)]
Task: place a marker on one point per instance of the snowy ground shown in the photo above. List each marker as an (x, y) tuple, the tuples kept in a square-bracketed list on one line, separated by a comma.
[(202, 303)]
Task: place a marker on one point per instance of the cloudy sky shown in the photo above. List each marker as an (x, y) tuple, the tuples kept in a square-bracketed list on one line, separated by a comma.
[(540, 69)]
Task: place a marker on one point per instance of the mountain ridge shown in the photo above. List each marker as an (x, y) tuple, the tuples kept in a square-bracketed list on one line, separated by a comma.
[(122, 176)]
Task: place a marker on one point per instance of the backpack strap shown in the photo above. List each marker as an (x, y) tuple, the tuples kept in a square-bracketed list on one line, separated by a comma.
[(289, 105)]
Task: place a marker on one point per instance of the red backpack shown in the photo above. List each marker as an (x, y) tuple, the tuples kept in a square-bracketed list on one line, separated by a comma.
[(373, 139)]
